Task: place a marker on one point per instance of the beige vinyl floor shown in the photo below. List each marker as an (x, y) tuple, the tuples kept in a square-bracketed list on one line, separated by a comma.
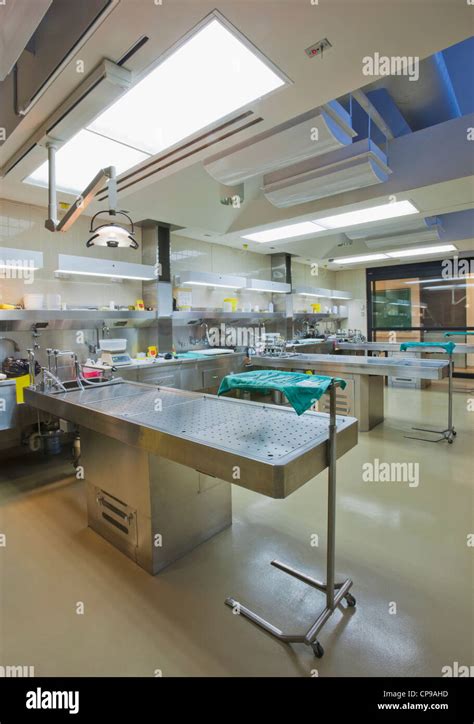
[(404, 546)]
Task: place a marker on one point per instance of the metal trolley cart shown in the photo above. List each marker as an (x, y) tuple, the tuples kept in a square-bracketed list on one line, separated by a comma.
[(449, 433), (288, 382)]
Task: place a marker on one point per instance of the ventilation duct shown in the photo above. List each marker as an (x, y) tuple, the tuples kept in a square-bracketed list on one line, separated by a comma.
[(19, 21), (106, 83), (357, 166), (312, 134), (428, 229)]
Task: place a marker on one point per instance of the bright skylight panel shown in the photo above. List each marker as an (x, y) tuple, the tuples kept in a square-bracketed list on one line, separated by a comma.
[(209, 76), (82, 157)]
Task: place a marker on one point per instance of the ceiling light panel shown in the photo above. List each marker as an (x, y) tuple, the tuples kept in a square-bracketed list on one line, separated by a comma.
[(210, 75), (440, 249), (79, 159), (359, 259), (364, 216), (284, 232)]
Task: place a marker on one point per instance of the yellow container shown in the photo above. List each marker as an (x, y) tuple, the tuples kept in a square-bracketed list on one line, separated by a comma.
[(152, 351), (21, 383), (316, 308), (233, 302)]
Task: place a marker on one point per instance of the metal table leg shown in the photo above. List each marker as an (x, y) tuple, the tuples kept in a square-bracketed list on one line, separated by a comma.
[(449, 433), (335, 592)]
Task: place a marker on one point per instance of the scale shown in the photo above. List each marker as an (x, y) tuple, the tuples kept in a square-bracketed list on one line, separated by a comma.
[(113, 352)]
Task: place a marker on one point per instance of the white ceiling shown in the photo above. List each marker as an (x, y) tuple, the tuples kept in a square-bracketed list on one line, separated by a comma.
[(185, 195)]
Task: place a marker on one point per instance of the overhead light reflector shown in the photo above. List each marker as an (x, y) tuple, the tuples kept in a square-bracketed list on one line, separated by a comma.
[(210, 279), (20, 259), (262, 285), (91, 267)]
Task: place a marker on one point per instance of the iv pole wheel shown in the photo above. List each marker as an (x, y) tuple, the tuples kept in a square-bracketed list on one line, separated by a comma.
[(317, 649), (350, 600)]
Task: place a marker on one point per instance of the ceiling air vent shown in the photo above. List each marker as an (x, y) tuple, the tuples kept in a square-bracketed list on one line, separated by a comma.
[(312, 134), (357, 166)]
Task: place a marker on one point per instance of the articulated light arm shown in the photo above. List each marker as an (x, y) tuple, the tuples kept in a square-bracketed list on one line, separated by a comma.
[(83, 200)]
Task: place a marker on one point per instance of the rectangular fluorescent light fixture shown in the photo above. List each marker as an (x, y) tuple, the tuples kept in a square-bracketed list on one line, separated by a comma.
[(210, 279), (284, 232), (397, 254), (364, 216), (210, 74), (339, 294), (91, 267), (420, 251), (352, 218), (262, 285), (20, 259), (313, 292), (359, 259)]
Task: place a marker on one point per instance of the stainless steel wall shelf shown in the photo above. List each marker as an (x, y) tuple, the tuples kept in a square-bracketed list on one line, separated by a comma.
[(23, 319)]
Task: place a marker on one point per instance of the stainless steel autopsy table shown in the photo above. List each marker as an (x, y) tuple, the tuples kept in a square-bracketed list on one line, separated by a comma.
[(460, 348), (158, 465), (363, 396)]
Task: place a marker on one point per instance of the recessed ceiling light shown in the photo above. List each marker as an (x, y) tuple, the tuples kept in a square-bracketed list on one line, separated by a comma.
[(361, 258), (284, 232), (212, 73), (364, 216), (421, 250)]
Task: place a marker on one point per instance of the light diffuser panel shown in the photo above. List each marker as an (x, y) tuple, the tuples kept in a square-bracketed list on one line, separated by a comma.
[(211, 75), (78, 161)]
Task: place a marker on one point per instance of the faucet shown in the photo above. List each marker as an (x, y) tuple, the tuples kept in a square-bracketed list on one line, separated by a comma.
[(206, 332), (16, 346)]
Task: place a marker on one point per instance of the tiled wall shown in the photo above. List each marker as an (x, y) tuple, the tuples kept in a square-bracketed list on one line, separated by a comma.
[(193, 255), (22, 227), (304, 275), (354, 281)]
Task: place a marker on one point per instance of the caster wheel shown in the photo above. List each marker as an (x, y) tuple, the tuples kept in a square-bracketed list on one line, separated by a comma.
[(350, 600), (317, 649), (454, 433), (450, 441)]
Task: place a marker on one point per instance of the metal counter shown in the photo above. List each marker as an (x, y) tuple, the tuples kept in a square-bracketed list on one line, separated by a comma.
[(363, 396), (158, 462), (460, 348), (346, 364), (275, 450)]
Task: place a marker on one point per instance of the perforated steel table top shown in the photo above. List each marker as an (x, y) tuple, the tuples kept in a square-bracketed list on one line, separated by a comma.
[(261, 432), (274, 450)]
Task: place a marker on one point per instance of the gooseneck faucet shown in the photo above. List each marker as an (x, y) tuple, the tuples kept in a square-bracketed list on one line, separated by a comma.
[(15, 344)]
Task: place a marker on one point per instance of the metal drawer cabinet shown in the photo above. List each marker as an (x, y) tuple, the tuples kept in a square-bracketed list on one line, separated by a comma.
[(191, 378), (211, 378), (166, 378)]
